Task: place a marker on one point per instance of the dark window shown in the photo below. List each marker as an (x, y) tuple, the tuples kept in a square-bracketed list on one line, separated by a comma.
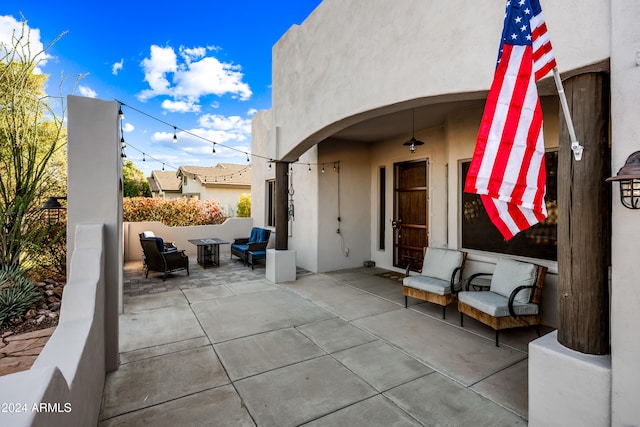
[(539, 241), (271, 205)]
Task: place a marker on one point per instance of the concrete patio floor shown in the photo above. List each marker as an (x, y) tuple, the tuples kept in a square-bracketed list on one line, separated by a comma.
[(225, 347)]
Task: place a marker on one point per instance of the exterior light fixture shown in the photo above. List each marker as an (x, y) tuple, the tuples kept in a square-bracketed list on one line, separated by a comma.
[(52, 210), (629, 177), (413, 142)]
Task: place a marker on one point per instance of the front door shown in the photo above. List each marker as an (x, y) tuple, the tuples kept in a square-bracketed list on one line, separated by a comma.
[(411, 205)]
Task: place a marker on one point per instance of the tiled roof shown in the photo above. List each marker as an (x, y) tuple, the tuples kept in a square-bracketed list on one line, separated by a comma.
[(166, 180), (221, 174)]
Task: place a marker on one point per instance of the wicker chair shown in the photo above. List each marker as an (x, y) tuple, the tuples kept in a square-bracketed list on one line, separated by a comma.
[(157, 258)]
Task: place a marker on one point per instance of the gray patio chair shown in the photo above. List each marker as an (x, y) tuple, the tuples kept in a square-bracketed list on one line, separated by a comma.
[(439, 279), (511, 299)]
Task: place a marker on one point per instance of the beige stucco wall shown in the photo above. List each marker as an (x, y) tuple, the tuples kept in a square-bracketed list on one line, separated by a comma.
[(94, 196), (350, 59), (625, 138)]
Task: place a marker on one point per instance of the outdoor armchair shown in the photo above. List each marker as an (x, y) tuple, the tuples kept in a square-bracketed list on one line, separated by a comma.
[(439, 279), (157, 258), (256, 242), (510, 299)]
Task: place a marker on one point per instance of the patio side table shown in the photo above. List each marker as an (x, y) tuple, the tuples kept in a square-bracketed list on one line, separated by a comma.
[(208, 251)]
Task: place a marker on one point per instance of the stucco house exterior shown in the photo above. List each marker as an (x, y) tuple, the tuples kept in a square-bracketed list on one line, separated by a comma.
[(165, 184), (356, 80), (351, 85), (224, 182)]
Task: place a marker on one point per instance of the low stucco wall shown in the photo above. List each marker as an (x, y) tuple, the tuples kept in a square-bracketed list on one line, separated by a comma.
[(64, 385), (231, 229)]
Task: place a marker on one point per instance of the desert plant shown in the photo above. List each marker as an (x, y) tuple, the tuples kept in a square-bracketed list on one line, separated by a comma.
[(17, 294), (32, 137), (244, 206)]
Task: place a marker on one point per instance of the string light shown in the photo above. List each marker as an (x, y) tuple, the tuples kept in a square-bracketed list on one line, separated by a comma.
[(175, 140), (144, 159)]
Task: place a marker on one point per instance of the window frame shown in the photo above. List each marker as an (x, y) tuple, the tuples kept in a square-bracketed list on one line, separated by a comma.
[(478, 233)]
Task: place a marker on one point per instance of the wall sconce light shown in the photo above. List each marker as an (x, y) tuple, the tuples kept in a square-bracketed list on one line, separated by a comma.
[(52, 209), (629, 177), (413, 142)]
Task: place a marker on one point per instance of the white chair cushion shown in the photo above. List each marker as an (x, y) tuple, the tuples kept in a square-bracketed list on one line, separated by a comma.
[(510, 274), (148, 234), (428, 284), (440, 263), (495, 305)]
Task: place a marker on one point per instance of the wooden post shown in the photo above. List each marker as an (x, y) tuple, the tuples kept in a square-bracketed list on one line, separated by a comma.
[(282, 205), (584, 217)]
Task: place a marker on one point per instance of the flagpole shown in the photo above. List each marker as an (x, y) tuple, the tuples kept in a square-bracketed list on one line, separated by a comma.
[(575, 145)]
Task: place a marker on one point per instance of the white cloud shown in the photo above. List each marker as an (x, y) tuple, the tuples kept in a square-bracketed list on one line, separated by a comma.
[(116, 67), (251, 112), (188, 77), (128, 127), (233, 132), (191, 54), (86, 91), (233, 124), (162, 61), (185, 106), (11, 29)]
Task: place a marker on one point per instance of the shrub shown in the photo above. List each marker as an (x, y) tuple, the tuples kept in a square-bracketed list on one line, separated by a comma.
[(17, 294), (244, 206), (172, 212)]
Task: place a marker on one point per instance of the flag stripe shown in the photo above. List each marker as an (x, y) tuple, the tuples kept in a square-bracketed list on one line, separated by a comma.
[(507, 169)]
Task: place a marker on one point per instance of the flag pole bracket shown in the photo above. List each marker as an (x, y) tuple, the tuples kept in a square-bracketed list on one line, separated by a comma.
[(575, 145)]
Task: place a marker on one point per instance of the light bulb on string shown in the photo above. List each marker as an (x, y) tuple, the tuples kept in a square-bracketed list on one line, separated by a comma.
[(214, 148), (163, 167), (323, 168), (175, 137), (120, 113), (144, 159), (248, 160), (309, 164)]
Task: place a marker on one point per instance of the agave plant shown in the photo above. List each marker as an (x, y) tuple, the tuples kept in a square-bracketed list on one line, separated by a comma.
[(17, 293)]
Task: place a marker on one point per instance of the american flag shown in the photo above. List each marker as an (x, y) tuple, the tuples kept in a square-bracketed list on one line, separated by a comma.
[(507, 169)]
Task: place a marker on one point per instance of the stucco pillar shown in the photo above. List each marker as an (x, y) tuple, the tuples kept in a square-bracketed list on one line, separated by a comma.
[(94, 196)]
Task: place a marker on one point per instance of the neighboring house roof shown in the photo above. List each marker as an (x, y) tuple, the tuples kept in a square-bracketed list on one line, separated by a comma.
[(165, 181), (223, 174), (153, 185)]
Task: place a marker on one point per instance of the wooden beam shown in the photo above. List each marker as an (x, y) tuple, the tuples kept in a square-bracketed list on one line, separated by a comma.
[(584, 217), (282, 205)]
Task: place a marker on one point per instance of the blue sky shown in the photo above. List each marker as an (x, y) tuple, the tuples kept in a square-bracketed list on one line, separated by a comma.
[(202, 66)]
